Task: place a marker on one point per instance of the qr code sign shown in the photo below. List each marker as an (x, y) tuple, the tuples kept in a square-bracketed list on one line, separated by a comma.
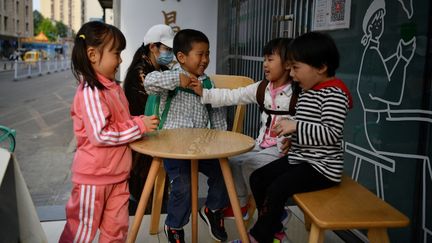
[(337, 12)]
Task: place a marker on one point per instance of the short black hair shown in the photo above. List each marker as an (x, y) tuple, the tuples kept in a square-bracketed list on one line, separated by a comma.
[(184, 39), (315, 49), (278, 46)]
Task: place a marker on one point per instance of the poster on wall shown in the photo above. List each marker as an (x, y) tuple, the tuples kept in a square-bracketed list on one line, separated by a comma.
[(331, 14)]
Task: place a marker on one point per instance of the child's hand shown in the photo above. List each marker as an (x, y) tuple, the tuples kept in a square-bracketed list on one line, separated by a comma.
[(184, 80), (151, 122), (286, 145), (285, 127), (196, 86)]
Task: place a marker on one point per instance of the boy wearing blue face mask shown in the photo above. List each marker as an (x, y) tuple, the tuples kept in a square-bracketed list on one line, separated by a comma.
[(191, 48)]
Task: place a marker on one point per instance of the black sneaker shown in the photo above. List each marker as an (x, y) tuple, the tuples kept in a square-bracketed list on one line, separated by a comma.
[(174, 235), (215, 222)]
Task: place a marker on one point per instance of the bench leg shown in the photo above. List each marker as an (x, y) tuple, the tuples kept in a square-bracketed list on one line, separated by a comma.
[(316, 234), (158, 192), (378, 235)]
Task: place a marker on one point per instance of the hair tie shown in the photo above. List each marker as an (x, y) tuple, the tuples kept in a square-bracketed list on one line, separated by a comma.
[(82, 36)]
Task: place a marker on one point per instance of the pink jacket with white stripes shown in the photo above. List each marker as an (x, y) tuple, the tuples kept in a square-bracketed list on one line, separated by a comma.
[(103, 128)]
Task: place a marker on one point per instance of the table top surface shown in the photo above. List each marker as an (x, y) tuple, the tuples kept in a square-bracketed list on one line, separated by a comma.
[(193, 143)]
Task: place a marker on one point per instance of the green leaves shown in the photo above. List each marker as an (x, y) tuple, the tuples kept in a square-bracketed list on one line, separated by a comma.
[(52, 29)]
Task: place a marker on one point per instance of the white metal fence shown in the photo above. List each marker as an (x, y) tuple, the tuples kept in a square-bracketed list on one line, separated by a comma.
[(27, 70)]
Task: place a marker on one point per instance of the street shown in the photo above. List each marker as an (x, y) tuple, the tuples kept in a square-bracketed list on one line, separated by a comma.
[(39, 110)]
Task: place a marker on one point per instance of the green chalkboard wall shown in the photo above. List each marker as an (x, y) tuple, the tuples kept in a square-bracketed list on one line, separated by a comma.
[(386, 63), (388, 133)]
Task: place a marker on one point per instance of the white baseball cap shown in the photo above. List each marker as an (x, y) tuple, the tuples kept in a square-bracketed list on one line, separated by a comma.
[(160, 33)]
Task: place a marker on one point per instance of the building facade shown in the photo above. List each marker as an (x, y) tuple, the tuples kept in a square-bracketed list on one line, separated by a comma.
[(16, 21), (72, 13)]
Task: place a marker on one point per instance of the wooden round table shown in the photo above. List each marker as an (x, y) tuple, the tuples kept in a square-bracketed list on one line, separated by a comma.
[(191, 144)]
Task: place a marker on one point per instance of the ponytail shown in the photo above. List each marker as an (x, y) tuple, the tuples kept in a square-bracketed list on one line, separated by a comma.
[(93, 34)]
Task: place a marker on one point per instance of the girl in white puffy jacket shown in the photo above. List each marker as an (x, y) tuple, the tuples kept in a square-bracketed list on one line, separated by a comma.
[(275, 97)]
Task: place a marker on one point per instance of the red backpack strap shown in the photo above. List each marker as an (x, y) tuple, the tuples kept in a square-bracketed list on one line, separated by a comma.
[(261, 93)]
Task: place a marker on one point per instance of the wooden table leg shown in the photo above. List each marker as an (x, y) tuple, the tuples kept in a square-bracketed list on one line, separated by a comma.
[(307, 222), (194, 185), (148, 186), (226, 171), (316, 235), (158, 192), (378, 235)]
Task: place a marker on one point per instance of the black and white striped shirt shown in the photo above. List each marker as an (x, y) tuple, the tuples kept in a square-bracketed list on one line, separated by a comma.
[(320, 116)]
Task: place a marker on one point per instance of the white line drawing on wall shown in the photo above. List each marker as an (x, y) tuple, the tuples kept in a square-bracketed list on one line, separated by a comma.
[(407, 6), (377, 76)]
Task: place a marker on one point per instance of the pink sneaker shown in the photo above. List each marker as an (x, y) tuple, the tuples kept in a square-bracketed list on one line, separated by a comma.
[(280, 237)]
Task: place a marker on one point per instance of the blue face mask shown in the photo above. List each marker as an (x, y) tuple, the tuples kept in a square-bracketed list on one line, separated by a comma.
[(165, 57)]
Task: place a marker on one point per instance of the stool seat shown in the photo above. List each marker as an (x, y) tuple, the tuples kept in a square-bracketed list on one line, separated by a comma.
[(348, 206)]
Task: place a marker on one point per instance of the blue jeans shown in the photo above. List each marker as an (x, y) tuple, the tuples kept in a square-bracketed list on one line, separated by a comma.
[(179, 201)]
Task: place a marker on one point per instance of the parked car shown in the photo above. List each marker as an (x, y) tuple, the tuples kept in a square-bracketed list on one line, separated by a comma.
[(34, 56), (31, 56)]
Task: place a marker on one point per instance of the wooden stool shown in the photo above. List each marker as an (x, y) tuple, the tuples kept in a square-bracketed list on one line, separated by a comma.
[(348, 206)]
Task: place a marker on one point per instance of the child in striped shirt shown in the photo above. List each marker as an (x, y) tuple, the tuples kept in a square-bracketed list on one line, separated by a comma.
[(315, 159)]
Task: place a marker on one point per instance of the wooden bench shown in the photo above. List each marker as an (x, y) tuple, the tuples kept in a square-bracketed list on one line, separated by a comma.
[(348, 206)]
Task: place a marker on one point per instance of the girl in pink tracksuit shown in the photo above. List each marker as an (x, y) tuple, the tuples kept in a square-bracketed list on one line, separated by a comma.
[(103, 128)]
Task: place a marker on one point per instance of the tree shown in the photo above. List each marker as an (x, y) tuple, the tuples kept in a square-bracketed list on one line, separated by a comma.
[(37, 19), (52, 29), (47, 27), (62, 29)]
